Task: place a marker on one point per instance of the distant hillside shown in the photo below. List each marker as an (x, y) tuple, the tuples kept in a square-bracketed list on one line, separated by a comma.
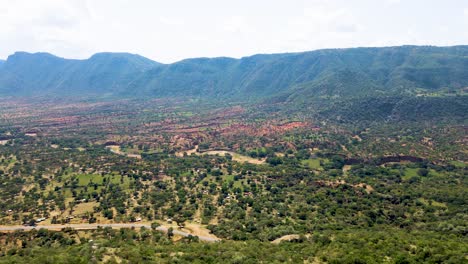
[(43, 74), (333, 73)]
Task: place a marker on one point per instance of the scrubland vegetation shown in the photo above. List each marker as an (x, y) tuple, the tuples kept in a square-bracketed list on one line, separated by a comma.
[(354, 189)]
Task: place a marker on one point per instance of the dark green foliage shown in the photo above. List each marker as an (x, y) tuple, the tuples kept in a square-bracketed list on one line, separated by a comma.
[(396, 109), (146, 246)]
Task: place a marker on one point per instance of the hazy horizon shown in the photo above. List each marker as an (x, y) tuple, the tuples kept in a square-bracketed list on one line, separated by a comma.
[(171, 31)]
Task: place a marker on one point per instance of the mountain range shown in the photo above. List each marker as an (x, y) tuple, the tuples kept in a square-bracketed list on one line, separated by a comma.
[(330, 73)]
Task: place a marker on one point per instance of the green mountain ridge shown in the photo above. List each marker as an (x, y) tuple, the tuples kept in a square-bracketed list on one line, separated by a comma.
[(43, 73), (334, 73)]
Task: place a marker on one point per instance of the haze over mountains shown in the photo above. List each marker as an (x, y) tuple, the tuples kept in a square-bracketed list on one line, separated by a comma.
[(334, 73)]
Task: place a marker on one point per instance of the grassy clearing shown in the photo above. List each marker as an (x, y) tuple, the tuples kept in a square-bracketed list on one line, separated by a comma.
[(432, 202), (312, 163), (434, 173), (458, 163), (83, 208), (229, 178), (85, 179), (238, 184), (409, 173), (86, 183)]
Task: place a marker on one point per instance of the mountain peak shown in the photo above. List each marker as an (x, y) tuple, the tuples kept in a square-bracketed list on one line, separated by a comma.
[(102, 56), (114, 55), (22, 54)]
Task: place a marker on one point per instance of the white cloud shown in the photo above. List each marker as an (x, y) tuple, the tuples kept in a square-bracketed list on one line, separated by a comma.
[(47, 25), (392, 2), (322, 26), (172, 21), (236, 24)]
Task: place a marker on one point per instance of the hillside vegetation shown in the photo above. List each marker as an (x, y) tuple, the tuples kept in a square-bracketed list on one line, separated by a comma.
[(333, 73)]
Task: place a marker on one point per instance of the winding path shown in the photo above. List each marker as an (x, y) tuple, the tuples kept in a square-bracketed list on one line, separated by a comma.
[(95, 226)]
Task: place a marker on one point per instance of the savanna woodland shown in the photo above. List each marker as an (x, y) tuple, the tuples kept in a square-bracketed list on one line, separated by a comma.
[(330, 156)]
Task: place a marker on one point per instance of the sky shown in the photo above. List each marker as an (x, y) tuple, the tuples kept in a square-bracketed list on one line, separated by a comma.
[(171, 30)]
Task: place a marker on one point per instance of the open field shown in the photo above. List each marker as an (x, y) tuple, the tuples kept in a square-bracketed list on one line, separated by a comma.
[(96, 226), (235, 156)]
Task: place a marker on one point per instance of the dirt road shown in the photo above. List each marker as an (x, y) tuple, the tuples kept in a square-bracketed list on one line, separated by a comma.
[(95, 226)]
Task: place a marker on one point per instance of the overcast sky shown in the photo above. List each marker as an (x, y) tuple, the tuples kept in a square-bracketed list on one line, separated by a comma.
[(171, 30)]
